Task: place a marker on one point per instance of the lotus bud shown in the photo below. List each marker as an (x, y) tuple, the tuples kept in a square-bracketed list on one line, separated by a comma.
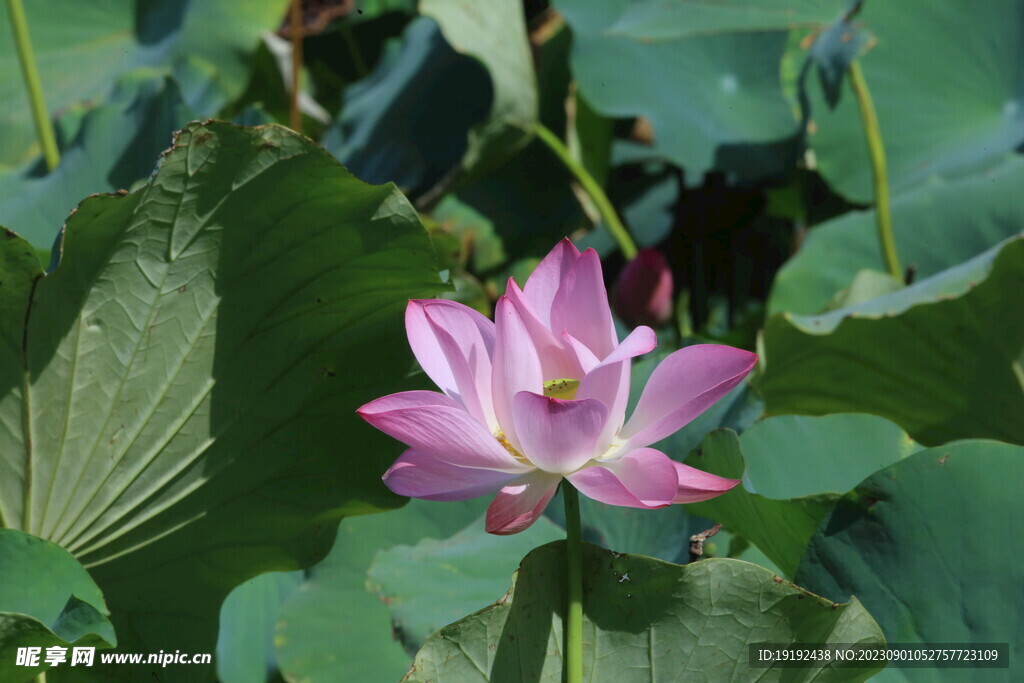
[(643, 294)]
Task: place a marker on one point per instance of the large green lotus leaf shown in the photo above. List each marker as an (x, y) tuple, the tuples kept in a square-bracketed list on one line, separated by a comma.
[(436, 582), (456, 96), (409, 120), (114, 147), (177, 399), (248, 619), (717, 102), (82, 47), (335, 628), (796, 455), (941, 358), (929, 545), (925, 52), (643, 620), (47, 599), (793, 469), (936, 226), (495, 34)]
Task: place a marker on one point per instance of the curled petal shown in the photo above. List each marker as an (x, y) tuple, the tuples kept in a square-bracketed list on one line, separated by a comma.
[(682, 387), (644, 478), (543, 283), (696, 485), (556, 435), (519, 504), (516, 366), (581, 307), (419, 474), (454, 344), (433, 423)]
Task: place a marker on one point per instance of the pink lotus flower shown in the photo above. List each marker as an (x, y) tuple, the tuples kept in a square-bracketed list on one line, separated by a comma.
[(540, 395)]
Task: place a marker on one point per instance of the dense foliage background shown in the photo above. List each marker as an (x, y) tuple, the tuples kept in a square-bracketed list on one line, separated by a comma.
[(182, 354)]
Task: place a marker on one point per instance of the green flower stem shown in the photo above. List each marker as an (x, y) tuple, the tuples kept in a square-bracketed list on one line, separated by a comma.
[(592, 188), (877, 152), (573, 648), (19, 25)]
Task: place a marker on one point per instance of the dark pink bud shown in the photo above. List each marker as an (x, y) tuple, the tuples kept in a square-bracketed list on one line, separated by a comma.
[(643, 294)]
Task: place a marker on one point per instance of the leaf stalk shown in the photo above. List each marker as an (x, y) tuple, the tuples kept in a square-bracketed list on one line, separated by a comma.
[(33, 86), (295, 23), (592, 188), (876, 150)]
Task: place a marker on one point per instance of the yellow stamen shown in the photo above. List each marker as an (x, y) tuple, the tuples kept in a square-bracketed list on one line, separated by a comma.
[(503, 440), (564, 389)]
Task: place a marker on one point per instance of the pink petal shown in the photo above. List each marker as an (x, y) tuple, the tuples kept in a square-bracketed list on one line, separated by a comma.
[(644, 478), (556, 361), (519, 504), (695, 485), (608, 381), (432, 422), (543, 283), (516, 366), (453, 346), (558, 436), (418, 474), (467, 346), (682, 387), (581, 307)]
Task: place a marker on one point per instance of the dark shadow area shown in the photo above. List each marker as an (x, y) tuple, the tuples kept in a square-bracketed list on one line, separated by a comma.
[(748, 163)]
